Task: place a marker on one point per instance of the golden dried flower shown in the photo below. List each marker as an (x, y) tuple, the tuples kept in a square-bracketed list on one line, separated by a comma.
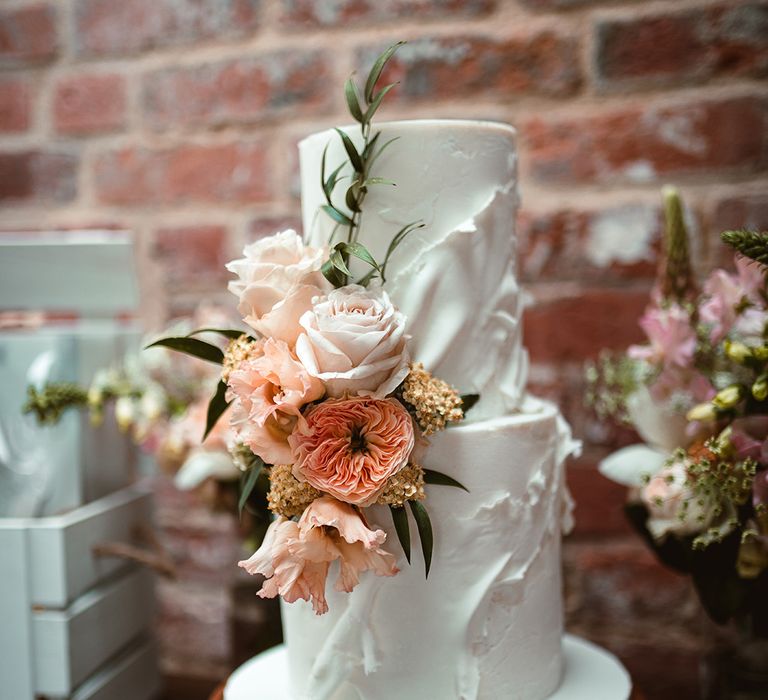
[(431, 401), (287, 496), (406, 485), (238, 350)]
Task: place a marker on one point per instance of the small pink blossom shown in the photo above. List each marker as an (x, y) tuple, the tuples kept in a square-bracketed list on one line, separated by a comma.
[(671, 335), (267, 394), (295, 557), (350, 447)]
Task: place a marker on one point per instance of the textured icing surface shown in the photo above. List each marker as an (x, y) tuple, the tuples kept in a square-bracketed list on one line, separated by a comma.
[(455, 278), (488, 622)]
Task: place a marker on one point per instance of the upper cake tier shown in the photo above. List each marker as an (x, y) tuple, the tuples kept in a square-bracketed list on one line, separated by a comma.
[(455, 277)]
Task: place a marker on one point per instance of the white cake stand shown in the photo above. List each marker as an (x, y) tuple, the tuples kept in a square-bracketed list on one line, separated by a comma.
[(591, 673)]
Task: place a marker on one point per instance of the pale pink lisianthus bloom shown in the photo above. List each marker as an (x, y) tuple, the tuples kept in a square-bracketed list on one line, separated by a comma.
[(350, 447), (267, 394), (278, 278), (295, 557), (672, 339), (354, 340), (725, 292)]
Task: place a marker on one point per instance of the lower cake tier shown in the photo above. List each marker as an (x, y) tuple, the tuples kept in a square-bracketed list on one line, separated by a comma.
[(487, 623)]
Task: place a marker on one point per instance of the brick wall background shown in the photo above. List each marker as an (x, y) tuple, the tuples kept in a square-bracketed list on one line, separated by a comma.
[(178, 119)]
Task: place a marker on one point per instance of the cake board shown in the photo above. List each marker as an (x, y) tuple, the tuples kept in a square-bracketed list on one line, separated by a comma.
[(590, 673)]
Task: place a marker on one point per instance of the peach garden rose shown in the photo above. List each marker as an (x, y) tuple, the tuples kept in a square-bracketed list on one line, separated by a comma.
[(350, 447)]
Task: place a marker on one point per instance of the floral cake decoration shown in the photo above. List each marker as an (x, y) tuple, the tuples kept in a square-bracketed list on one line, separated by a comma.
[(322, 396)]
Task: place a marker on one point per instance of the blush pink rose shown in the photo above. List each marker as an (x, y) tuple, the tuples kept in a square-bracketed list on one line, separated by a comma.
[(278, 277), (267, 393), (350, 447), (295, 557), (354, 340)]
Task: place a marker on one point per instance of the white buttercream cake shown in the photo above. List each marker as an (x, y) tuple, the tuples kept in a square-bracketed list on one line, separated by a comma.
[(487, 623)]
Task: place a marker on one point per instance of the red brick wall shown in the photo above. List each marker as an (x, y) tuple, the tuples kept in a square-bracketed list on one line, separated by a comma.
[(179, 118)]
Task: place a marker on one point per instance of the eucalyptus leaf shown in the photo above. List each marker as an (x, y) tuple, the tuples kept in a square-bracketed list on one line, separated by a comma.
[(360, 252), (381, 150), (330, 183), (249, 482), (440, 479), (333, 275), (424, 526), (403, 530), (191, 346), (337, 260), (351, 197), (378, 67), (397, 239), (468, 401), (376, 102), (336, 215), (352, 101), (231, 333), (349, 147), (370, 145), (322, 170), (216, 407)]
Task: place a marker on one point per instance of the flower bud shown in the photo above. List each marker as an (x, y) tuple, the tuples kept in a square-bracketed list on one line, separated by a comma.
[(728, 397), (125, 412), (760, 388), (702, 412), (738, 352)]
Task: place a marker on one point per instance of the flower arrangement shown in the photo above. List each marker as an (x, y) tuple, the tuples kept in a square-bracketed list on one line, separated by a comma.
[(697, 393), (322, 395)]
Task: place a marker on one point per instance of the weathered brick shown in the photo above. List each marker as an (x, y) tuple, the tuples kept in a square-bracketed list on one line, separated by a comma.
[(106, 27), (690, 46), (578, 326), (610, 244), (15, 105), (44, 176), (749, 211), (547, 5), (192, 255), (84, 104), (225, 173), (241, 91), (27, 35), (451, 67), (644, 145), (340, 13)]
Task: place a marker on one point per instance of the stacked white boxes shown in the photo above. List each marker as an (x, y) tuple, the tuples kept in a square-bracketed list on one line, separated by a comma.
[(74, 622)]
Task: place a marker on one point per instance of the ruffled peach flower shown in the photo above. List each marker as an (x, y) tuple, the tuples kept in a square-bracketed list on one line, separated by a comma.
[(278, 277), (267, 394), (354, 340), (295, 557), (350, 447)]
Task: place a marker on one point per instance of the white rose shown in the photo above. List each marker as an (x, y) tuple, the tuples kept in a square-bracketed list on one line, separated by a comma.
[(672, 504), (354, 341), (278, 277)]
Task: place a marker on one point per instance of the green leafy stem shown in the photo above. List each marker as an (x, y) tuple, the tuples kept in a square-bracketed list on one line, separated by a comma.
[(362, 106)]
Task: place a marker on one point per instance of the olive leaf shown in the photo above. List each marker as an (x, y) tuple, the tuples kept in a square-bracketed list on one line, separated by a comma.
[(440, 479), (249, 481), (349, 147), (376, 102), (468, 401), (336, 215), (336, 259), (216, 407), (424, 526), (397, 239), (333, 275), (400, 521), (191, 346), (350, 91)]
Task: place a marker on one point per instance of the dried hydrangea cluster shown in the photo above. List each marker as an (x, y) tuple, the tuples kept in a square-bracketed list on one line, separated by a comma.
[(287, 495), (406, 485), (238, 351), (432, 402)]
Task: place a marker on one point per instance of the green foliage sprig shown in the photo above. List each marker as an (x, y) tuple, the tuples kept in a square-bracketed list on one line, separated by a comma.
[(362, 106), (750, 244), (49, 403)]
